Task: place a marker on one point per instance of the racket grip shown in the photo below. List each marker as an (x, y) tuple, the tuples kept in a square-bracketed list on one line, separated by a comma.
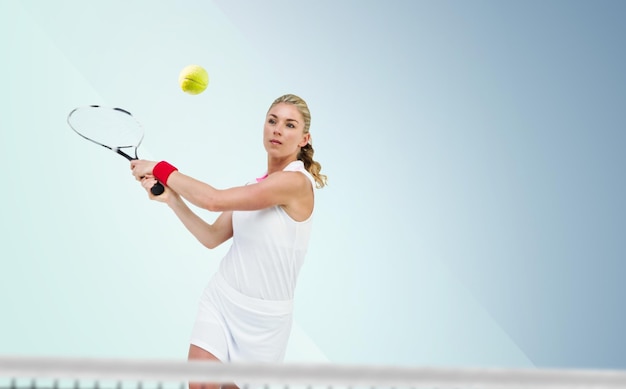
[(157, 189)]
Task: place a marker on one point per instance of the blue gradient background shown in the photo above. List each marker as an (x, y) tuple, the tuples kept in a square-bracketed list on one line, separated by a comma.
[(475, 149)]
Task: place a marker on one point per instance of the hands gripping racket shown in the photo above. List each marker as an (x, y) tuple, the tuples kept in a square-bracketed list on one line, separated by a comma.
[(113, 128)]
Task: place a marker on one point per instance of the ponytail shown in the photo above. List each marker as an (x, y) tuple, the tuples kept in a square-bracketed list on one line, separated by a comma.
[(313, 167)]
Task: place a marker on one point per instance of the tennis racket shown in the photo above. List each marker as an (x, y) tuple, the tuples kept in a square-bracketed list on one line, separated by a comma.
[(113, 128)]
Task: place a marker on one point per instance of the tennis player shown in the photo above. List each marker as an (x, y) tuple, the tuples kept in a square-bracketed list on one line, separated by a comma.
[(245, 312)]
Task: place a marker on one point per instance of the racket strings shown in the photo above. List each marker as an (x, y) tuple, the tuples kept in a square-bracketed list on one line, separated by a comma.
[(110, 127)]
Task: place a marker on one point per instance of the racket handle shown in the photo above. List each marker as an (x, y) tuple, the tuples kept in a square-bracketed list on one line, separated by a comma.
[(157, 189)]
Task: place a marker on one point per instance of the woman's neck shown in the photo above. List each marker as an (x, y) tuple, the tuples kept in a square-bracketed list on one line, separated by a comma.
[(277, 165)]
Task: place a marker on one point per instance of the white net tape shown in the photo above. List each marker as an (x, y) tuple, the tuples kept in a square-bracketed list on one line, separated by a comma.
[(57, 373)]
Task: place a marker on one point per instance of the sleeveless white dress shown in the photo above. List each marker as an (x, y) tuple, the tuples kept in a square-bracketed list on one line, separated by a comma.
[(245, 312)]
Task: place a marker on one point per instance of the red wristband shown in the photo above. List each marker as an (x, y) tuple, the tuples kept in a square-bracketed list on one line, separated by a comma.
[(162, 171)]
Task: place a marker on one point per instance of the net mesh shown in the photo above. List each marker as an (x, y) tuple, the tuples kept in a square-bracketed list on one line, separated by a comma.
[(69, 373)]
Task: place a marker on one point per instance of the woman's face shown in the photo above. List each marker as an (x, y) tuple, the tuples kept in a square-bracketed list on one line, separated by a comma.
[(283, 133)]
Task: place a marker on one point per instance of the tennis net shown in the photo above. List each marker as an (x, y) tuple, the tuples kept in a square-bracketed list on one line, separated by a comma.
[(19, 372)]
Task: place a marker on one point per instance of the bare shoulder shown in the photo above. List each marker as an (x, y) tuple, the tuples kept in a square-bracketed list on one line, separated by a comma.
[(288, 178), (299, 199), (295, 180)]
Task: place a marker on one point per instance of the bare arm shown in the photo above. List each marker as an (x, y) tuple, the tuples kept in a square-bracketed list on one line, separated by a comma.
[(210, 235), (285, 188), (291, 190)]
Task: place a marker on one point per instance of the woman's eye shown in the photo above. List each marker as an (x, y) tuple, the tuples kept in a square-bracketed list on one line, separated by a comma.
[(271, 121), (290, 125)]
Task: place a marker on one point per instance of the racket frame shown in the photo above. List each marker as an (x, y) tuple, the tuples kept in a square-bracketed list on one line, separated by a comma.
[(158, 188)]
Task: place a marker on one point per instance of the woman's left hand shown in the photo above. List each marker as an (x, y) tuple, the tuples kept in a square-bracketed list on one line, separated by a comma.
[(168, 196), (141, 168)]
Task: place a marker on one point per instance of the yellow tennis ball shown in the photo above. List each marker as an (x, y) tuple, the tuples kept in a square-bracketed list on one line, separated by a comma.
[(193, 79)]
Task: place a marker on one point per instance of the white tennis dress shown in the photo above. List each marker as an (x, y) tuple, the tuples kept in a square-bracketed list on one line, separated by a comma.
[(245, 312)]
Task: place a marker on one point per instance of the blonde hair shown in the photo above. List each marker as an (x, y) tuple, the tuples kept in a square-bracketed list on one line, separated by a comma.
[(306, 152)]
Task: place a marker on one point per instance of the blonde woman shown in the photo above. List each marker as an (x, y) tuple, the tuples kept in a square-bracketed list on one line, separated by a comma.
[(245, 312)]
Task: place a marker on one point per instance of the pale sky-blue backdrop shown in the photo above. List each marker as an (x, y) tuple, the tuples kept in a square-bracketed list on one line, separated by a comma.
[(475, 150)]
